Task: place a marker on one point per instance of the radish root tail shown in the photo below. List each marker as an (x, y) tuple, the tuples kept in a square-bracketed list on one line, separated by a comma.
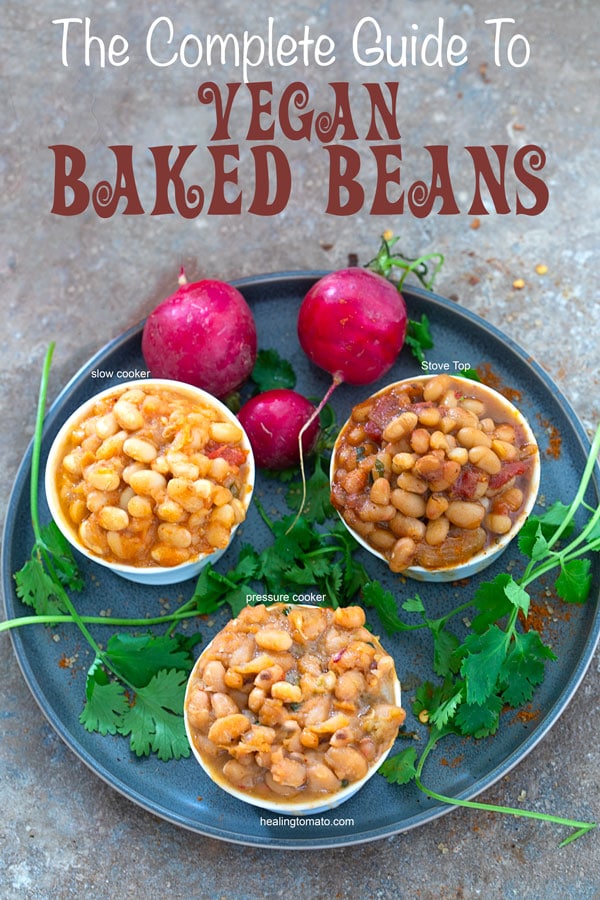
[(337, 380)]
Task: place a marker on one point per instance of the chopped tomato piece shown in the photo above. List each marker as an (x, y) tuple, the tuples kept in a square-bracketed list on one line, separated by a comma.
[(509, 470), (235, 456)]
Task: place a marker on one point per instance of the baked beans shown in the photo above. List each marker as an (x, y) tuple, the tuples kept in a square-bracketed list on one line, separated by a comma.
[(431, 472), (293, 701), (153, 477)]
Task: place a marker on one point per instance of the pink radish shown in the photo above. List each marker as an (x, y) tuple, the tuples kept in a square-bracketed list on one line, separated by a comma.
[(273, 420), (352, 323), (203, 334)]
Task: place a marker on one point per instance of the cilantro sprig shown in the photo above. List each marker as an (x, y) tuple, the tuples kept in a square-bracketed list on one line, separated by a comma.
[(134, 687), (497, 665), (299, 559), (51, 566), (407, 766)]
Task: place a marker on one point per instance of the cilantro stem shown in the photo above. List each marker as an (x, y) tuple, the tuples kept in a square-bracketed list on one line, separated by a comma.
[(386, 261), (570, 552), (37, 448), (583, 485), (263, 513), (35, 520), (573, 549), (186, 611), (454, 612), (419, 267), (322, 551), (94, 620), (582, 827), (435, 623)]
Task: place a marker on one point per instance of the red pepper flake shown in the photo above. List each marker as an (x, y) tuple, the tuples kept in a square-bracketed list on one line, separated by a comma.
[(537, 617), (541, 614), (454, 763), (553, 450), (527, 714), (491, 379), (67, 662)]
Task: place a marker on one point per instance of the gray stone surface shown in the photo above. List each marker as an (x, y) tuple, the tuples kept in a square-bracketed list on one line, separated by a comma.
[(80, 281)]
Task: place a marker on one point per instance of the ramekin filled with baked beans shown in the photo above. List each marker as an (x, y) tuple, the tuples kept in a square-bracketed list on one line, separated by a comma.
[(151, 479), (435, 475), (293, 708)]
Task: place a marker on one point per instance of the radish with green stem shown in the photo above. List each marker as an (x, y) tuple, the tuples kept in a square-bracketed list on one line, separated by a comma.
[(352, 323)]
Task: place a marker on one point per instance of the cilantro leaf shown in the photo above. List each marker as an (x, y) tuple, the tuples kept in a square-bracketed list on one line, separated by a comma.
[(272, 371), (62, 557), (335, 588), (532, 541), (237, 598), (214, 589), (444, 713), (492, 601), (541, 528), (247, 565), (445, 645), (307, 571), (154, 721), (354, 574), (328, 428), (209, 592), (517, 595), (479, 721), (482, 664), (414, 604), (418, 337), (383, 601), (36, 588), (430, 696), (138, 658), (287, 549), (317, 506), (574, 582), (471, 374), (105, 702), (400, 768), (594, 534), (523, 668), (553, 517)]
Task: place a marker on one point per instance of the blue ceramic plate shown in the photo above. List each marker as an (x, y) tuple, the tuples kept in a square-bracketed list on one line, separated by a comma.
[(179, 791)]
